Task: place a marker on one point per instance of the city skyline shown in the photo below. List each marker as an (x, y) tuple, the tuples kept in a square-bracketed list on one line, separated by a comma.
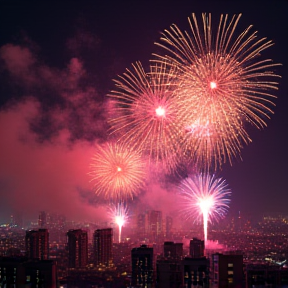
[(56, 71)]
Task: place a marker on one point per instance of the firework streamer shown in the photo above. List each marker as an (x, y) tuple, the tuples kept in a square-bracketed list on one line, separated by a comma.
[(204, 197), (119, 215)]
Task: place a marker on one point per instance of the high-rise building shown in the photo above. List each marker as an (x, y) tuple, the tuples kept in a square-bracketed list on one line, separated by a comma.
[(154, 219), (173, 250), (196, 248), (102, 241), (142, 266), (42, 220), (169, 223), (141, 225), (37, 244), (77, 248), (227, 270)]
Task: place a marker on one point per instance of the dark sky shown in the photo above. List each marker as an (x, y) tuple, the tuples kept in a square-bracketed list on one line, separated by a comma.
[(57, 62)]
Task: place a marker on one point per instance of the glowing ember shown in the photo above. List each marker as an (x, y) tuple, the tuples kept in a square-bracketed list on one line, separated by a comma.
[(213, 85), (160, 111)]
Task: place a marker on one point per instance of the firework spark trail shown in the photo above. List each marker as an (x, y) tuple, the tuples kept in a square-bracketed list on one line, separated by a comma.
[(146, 112), (119, 215), (117, 171), (224, 83), (204, 196)]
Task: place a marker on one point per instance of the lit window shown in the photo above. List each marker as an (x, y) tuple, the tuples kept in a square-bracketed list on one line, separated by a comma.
[(230, 264), (230, 273)]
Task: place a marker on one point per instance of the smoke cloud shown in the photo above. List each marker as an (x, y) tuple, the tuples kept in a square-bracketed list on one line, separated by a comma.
[(48, 133)]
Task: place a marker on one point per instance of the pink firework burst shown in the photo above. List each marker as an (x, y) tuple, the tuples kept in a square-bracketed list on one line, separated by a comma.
[(146, 112), (117, 171), (224, 83)]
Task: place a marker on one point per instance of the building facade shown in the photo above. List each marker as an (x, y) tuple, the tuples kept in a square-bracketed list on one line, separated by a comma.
[(77, 248), (227, 270), (37, 244), (142, 266), (102, 246)]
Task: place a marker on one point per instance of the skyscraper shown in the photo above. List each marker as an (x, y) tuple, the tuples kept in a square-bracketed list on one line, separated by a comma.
[(196, 248), (141, 225), (103, 240), (37, 244), (142, 266), (154, 223), (42, 220), (77, 248), (169, 223)]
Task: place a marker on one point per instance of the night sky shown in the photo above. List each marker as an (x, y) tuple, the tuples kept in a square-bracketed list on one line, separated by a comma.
[(57, 62)]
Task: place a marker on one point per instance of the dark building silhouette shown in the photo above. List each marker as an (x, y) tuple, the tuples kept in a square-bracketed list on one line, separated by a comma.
[(22, 272), (102, 242), (175, 272), (227, 270), (195, 271), (173, 250), (77, 248), (169, 273), (196, 248), (168, 267), (142, 266), (266, 274), (37, 244)]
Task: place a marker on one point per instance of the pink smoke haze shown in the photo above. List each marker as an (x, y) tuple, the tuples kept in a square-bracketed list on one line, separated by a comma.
[(42, 176)]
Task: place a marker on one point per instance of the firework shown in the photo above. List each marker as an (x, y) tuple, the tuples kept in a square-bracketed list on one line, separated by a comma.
[(117, 171), (119, 215), (204, 196), (223, 85), (146, 112)]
